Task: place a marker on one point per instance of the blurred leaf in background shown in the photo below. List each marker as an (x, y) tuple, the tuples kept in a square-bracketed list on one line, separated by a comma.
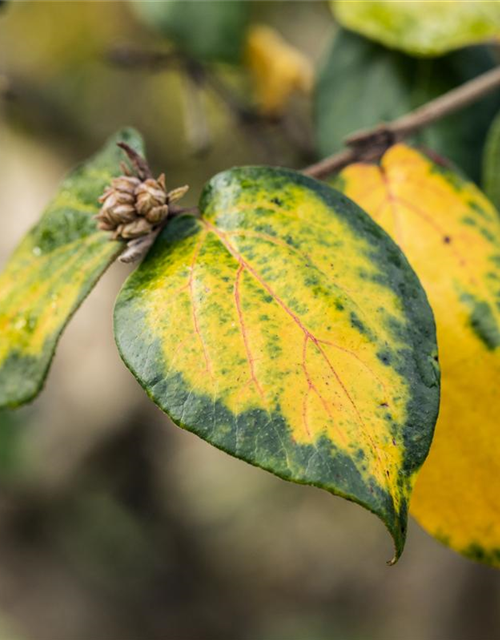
[(206, 30), (491, 163), (362, 83), (67, 92), (429, 28), (277, 70)]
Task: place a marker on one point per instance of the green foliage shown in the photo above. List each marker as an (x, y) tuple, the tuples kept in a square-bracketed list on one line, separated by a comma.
[(491, 163), (284, 327), (51, 272), (204, 30), (429, 28), (362, 84)]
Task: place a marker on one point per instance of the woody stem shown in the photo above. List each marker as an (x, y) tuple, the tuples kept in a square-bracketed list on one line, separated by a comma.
[(370, 144)]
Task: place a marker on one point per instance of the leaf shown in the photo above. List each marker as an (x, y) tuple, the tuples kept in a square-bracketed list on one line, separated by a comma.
[(51, 272), (211, 30), (355, 68), (285, 328), (491, 163), (277, 69), (451, 236), (421, 28)]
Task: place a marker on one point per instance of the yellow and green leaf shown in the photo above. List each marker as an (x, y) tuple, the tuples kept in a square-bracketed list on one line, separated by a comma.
[(51, 272), (286, 328), (451, 235), (428, 28)]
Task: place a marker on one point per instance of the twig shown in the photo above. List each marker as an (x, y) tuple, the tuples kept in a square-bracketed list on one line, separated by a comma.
[(255, 125), (136, 249), (128, 57), (370, 144)]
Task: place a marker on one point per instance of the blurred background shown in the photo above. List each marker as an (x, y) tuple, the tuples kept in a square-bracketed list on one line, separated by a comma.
[(114, 523)]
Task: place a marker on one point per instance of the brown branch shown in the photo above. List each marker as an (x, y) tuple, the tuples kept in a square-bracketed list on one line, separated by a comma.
[(131, 58), (371, 144), (136, 249)]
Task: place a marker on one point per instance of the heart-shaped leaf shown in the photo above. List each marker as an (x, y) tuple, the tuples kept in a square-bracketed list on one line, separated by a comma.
[(396, 83), (51, 272), (451, 236), (421, 28), (213, 30), (286, 328)]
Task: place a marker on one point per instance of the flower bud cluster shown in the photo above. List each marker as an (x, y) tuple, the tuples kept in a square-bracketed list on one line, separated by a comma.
[(132, 208)]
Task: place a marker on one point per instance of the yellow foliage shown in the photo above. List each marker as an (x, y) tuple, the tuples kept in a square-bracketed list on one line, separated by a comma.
[(451, 236), (277, 69)]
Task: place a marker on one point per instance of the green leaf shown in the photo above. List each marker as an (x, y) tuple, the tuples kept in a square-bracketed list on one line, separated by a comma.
[(491, 163), (210, 30), (362, 84), (51, 272), (286, 328), (421, 28)]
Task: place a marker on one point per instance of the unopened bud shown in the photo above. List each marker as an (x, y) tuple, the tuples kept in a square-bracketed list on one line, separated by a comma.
[(126, 184), (177, 194), (136, 229), (104, 225), (135, 204), (150, 193), (157, 214)]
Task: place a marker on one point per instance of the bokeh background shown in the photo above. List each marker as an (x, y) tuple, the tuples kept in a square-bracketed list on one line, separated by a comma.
[(115, 524)]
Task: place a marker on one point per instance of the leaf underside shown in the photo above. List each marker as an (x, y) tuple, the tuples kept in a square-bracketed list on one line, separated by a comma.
[(396, 83), (451, 235), (287, 329), (421, 28), (51, 272)]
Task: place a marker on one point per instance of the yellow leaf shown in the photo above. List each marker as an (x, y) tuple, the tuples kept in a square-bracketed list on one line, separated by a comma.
[(277, 69), (451, 235)]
